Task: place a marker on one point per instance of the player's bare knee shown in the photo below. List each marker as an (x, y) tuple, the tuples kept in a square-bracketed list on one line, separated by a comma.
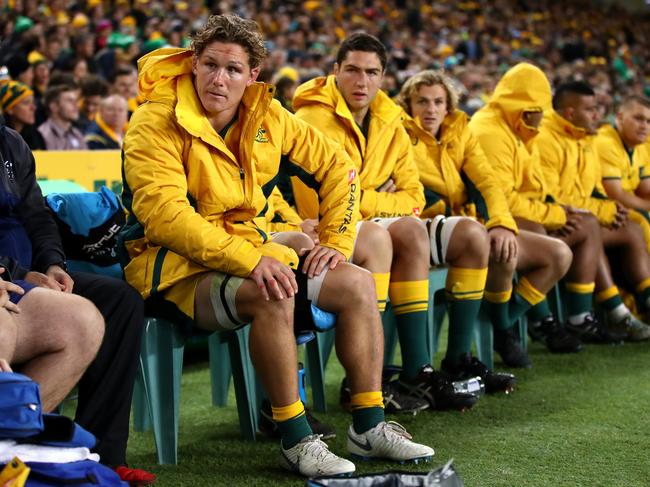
[(559, 257), (410, 237), (298, 241), (373, 240), (591, 227), (356, 285), (275, 313), (475, 237), (503, 268), (89, 327)]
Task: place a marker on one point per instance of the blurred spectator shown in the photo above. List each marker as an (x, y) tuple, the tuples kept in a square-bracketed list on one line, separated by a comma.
[(93, 89), (107, 130), (58, 131), (125, 83), (285, 87), (53, 45), (476, 42), (40, 85), (20, 70), (17, 102)]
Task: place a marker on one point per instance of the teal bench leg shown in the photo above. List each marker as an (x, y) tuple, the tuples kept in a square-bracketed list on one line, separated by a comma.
[(244, 381), (162, 365), (390, 335), (220, 369), (141, 410), (554, 297), (484, 341), (523, 332), (315, 367)]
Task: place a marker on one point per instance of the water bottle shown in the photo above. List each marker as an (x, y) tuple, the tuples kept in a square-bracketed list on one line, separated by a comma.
[(302, 392), (474, 385)]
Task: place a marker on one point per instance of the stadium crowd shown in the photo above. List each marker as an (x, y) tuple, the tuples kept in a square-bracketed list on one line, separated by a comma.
[(491, 137)]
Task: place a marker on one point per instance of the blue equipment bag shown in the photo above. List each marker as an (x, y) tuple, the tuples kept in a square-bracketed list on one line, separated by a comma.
[(20, 406), (85, 473), (88, 224)]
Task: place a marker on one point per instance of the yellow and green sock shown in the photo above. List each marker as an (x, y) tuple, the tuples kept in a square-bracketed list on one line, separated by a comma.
[(579, 300), (529, 298), (367, 410), (410, 302), (642, 295), (496, 306), (382, 281), (292, 423), (464, 290), (611, 301)]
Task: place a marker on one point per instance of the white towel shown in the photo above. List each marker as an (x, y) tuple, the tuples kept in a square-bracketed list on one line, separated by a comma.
[(39, 453)]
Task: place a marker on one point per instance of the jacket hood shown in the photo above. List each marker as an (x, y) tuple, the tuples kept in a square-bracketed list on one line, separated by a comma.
[(524, 88), (323, 91), (159, 70), (557, 123)]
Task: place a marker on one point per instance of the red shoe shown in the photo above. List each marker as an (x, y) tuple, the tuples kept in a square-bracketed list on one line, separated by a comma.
[(134, 476)]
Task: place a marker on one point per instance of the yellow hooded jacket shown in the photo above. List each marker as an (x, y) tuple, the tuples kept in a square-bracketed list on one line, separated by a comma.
[(508, 144), (387, 154), (196, 206), (571, 167), (455, 173)]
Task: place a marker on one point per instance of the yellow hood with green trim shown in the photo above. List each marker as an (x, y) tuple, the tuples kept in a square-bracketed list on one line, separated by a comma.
[(524, 88)]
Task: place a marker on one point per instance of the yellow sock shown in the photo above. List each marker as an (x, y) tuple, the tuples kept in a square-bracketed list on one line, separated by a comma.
[(409, 296), (464, 283), (643, 285), (382, 282), (529, 292), (498, 297), (608, 293), (284, 413), (362, 400), (581, 288)]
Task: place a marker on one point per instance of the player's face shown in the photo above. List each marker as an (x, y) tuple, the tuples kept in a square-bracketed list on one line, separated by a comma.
[(586, 114), (222, 73), (359, 78), (429, 106), (633, 124)]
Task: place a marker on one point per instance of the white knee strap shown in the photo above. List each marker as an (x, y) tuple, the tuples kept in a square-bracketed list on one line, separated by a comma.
[(440, 229)]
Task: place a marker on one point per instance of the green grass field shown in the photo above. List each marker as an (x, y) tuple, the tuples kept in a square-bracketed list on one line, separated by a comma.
[(574, 420)]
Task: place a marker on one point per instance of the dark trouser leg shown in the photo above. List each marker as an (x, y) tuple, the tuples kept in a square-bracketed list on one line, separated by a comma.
[(106, 388)]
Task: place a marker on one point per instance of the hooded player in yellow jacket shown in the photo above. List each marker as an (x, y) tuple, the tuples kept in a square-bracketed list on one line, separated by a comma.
[(571, 167), (350, 109), (458, 180), (506, 129), (196, 158), (625, 159)]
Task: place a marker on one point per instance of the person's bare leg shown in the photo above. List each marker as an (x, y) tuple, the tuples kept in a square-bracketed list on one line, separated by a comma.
[(543, 260), (8, 335), (359, 334), (298, 241), (631, 256), (632, 252), (586, 244), (410, 250), (272, 343), (58, 335), (374, 248)]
